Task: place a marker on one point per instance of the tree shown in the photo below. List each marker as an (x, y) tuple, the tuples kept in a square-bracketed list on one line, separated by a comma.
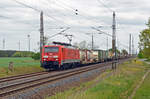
[(140, 54), (144, 43), (117, 51), (22, 54), (36, 56), (124, 52), (81, 45), (85, 45), (17, 54)]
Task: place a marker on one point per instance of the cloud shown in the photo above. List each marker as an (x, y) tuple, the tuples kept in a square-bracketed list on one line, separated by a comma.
[(18, 21)]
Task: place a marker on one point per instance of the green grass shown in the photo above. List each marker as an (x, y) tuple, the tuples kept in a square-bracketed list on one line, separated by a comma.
[(22, 65), (118, 86), (144, 91), (23, 61), (148, 60)]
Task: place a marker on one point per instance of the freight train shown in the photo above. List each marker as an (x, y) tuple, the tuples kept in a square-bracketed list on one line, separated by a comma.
[(62, 56)]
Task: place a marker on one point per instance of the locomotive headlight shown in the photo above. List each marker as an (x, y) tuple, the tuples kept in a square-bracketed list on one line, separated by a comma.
[(45, 56), (55, 56)]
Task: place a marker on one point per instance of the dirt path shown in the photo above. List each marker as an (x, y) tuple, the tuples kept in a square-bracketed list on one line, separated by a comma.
[(140, 83)]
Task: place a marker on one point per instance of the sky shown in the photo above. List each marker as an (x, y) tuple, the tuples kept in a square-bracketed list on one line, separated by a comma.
[(18, 20)]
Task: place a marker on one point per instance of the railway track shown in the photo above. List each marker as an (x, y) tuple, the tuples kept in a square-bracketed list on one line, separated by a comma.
[(19, 86), (21, 76)]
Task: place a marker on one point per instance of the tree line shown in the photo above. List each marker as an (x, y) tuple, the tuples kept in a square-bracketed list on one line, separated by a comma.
[(11, 53), (144, 43)]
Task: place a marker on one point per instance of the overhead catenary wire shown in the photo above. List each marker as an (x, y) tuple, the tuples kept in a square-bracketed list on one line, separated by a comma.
[(78, 12), (111, 10), (102, 43), (73, 9), (68, 6), (38, 10), (60, 4), (5, 17), (108, 35), (25, 5), (48, 8), (59, 32), (35, 9)]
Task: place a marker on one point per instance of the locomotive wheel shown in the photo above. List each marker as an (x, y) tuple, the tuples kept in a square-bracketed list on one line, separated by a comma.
[(62, 67), (65, 66), (56, 68), (74, 65)]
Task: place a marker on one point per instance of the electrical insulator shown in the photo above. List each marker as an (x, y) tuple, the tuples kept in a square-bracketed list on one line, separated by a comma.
[(76, 11)]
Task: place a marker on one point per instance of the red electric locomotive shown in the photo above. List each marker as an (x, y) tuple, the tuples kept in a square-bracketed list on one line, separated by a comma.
[(59, 56)]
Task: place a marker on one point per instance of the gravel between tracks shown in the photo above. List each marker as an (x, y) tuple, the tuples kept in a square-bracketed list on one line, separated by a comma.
[(57, 86), (25, 79)]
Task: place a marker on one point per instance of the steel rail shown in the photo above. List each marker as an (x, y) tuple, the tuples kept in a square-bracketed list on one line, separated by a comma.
[(51, 78), (21, 76)]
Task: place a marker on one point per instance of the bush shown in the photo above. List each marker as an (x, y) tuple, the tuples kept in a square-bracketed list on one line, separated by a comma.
[(17, 54), (148, 59), (140, 55), (22, 54), (36, 56)]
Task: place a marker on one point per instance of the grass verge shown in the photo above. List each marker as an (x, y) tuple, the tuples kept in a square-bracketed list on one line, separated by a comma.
[(144, 91), (120, 85)]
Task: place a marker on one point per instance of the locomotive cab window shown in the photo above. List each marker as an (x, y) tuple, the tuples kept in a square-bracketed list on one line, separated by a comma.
[(51, 49)]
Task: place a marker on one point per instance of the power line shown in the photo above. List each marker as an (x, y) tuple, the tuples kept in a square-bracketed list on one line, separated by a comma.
[(48, 4), (108, 35), (47, 14), (101, 32), (105, 6), (66, 5), (28, 6), (60, 32), (1, 16), (77, 11), (69, 37), (124, 45), (111, 10)]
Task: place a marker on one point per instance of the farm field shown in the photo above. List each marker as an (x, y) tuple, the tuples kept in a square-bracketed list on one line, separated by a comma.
[(19, 61), (22, 65), (120, 85)]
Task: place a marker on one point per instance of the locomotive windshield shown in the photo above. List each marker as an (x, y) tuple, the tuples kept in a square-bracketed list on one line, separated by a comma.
[(51, 49)]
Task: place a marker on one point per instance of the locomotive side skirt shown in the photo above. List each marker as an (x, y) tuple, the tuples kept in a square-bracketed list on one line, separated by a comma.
[(70, 61)]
